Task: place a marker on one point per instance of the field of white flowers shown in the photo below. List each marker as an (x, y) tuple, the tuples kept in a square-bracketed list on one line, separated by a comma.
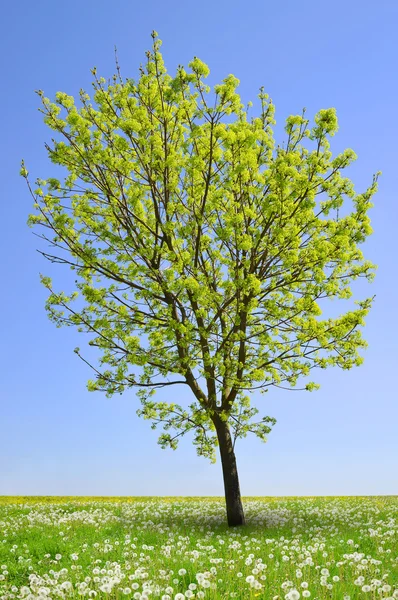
[(172, 549)]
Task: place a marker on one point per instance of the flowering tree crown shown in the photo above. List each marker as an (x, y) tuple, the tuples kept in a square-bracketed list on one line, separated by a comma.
[(201, 250)]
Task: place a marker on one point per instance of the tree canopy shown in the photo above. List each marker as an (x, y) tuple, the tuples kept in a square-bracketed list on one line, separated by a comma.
[(202, 250)]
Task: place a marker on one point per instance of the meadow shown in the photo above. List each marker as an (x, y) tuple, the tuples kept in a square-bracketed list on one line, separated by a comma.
[(176, 548)]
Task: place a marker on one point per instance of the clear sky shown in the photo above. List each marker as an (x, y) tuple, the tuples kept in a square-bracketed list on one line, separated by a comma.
[(57, 438)]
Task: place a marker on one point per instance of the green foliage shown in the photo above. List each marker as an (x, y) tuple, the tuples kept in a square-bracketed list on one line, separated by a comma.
[(201, 250)]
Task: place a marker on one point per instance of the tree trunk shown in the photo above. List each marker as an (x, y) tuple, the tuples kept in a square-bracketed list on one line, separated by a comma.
[(235, 515)]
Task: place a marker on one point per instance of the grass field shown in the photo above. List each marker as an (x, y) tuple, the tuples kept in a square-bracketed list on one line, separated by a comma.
[(177, 548)]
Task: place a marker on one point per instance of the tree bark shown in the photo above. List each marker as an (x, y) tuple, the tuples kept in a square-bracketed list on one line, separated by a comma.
[(235, 514)]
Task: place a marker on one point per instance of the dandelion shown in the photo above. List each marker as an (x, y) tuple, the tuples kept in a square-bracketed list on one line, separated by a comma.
[(24, 591), (325, 572), (67, 586)]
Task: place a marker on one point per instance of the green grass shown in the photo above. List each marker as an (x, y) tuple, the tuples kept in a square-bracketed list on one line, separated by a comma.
[(52, 547)]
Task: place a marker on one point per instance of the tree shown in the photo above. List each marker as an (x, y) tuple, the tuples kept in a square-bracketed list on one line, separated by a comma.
[(201, 250)]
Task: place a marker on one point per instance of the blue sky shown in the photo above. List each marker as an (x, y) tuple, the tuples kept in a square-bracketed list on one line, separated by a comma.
[(55, 437)]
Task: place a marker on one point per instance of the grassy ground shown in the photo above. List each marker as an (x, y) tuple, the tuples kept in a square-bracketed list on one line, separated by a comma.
[(177, 548)]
